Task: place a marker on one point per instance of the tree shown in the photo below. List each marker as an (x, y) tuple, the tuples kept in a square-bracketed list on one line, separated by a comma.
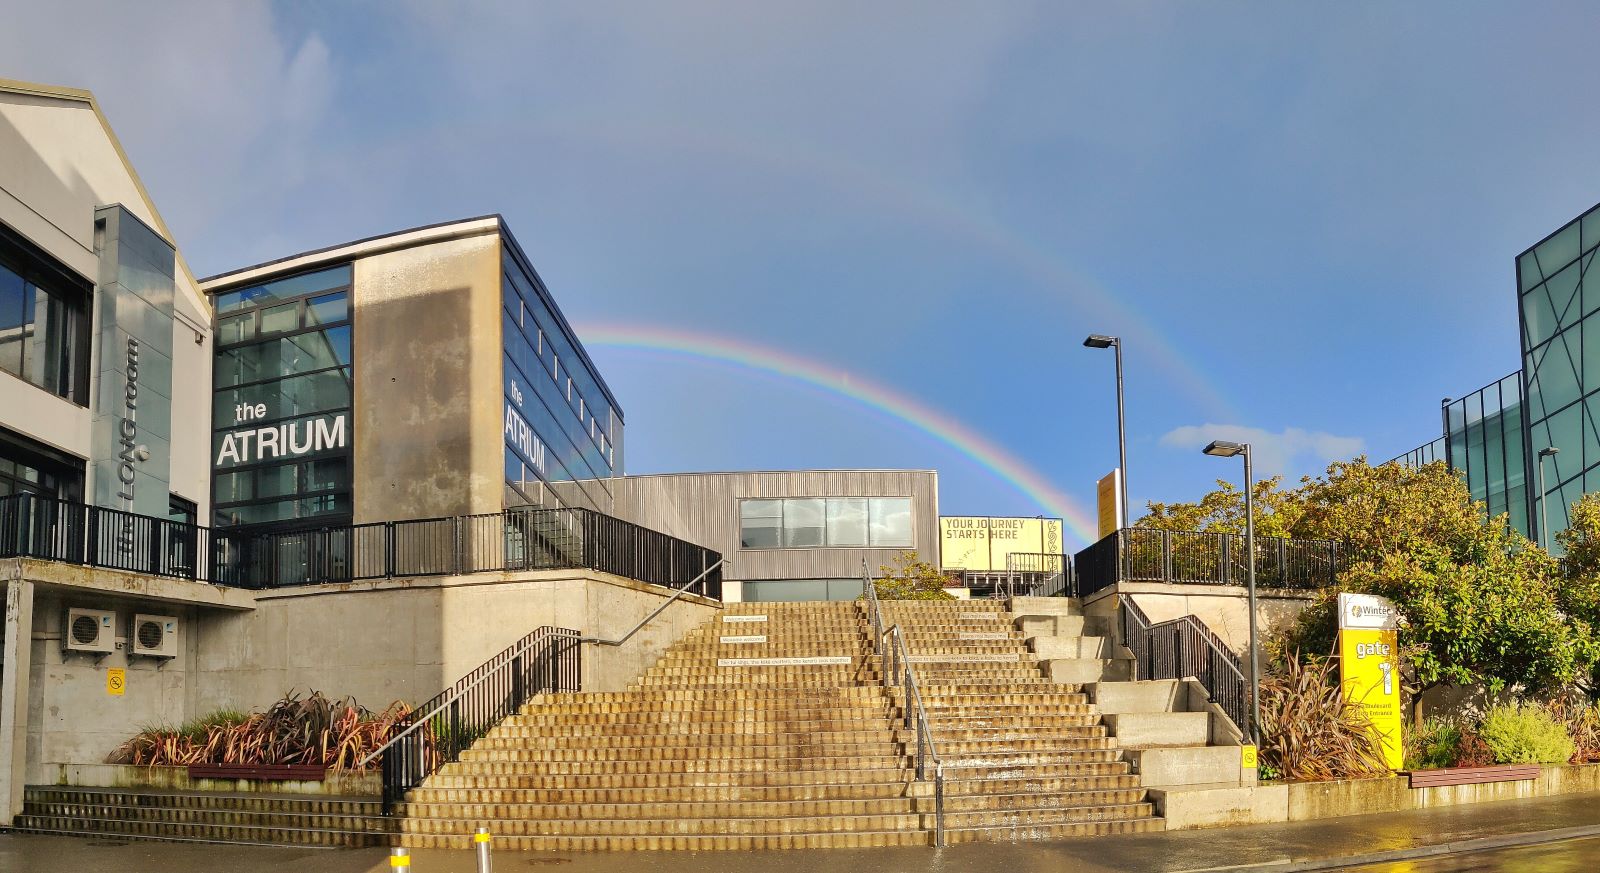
[(912, 578), (1222, 510), (1482, 604), (1580, 590)]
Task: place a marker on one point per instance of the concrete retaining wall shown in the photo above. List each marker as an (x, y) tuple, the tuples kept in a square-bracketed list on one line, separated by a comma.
[(340, 784), (1223, 608), (379, 641), (1205, 807)]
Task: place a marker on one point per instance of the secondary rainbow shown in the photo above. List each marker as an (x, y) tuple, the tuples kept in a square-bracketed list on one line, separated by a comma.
[(941, 427)]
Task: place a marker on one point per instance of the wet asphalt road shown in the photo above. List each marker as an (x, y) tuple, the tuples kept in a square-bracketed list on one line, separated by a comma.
[(1272, 847)]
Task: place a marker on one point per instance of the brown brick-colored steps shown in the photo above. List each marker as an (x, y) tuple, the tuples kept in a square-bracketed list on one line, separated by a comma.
[(705, 751), (213, 817)]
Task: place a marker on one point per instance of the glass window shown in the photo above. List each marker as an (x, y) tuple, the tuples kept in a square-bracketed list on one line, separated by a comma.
[(1559, 250), (847, 521), (236, 329), (760, 524), (15, 325), (286, 356), (1558, 372), (1539, 314), (280, 318), (233, 487), (322, 310), (803, 523), (284, 289), (890, 519)]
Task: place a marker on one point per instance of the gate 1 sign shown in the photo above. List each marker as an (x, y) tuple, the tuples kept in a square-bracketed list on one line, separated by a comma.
[(1369, 667)]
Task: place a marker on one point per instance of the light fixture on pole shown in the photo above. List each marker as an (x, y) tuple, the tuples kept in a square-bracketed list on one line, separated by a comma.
[(1544, 514), (1226, 449), (1097, 341)]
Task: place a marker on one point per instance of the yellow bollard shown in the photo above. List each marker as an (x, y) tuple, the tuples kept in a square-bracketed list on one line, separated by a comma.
[(480, 842), (399, 860)]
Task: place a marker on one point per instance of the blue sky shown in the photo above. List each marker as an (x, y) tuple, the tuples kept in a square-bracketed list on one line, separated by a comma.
[(1302, 218)]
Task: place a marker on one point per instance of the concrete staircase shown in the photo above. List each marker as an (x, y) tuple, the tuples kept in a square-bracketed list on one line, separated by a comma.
[(1182, 746), (765, 728), (267, 819), (1024, 757), (769, 727)]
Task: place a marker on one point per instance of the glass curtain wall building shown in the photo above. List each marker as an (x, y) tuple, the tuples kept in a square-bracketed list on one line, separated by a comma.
[(281, 409), (1484, 440), (561, 424), (1561, 361)]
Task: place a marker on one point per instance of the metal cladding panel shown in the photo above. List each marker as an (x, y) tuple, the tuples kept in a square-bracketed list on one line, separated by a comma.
[(130, 466), (704, 508)]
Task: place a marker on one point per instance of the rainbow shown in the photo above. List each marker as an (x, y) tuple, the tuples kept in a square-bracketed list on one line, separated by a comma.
[(887, 190), (943, 428)]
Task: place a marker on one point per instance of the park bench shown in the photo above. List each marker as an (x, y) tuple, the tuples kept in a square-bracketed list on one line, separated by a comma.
[(1473, 775), (260, 772)]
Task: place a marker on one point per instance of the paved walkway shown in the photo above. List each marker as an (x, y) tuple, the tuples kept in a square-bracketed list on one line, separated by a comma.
[(1281, 847)]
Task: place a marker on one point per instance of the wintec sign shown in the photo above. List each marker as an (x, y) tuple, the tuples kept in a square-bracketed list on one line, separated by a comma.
[(289, 439)]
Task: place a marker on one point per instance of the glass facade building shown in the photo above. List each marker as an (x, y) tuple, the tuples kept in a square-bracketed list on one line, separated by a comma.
[(563, 430), (284, 384), (1484, 441), (1561, 362)]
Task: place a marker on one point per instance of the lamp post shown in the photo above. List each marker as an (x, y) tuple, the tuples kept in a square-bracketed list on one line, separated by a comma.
[(1097, 341), (1225, 449), (1544, 514)]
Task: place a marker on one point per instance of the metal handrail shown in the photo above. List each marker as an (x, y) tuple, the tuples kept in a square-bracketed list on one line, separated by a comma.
[(1196, 650), (523, 647), (721, 562), (898, 660), (875, 612)]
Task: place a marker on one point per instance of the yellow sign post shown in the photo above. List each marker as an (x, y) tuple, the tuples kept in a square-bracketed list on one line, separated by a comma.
[(116, 681), (1369, 668)]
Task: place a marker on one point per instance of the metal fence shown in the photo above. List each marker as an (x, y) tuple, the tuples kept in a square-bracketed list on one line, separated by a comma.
[(523, 538), (1039, 574), (438, 731), (1144, 555), (1185, 647)]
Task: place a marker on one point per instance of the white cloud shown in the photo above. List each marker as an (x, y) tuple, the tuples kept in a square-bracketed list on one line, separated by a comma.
[(1290, 452)]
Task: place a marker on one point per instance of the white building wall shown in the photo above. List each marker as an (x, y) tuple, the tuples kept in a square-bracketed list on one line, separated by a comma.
[(58, 161)]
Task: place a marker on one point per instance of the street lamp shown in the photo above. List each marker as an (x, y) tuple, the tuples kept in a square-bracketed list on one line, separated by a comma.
[(1097, 341), (1544, 514), (1225, 449)]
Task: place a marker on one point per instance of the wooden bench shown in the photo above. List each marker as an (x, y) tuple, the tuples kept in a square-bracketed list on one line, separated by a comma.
[(1473, 775), (260, 772)]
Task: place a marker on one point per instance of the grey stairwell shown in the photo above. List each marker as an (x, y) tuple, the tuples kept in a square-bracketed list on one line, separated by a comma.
[(1168, 729)]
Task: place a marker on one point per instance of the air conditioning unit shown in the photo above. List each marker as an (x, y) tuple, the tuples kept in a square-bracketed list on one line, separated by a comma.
[(155, 636), (89, 630)]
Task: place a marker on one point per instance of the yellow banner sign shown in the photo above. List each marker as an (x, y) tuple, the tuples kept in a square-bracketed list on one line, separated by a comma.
[(1369, 672), (982, 543), (1108, 502), (116, 681)]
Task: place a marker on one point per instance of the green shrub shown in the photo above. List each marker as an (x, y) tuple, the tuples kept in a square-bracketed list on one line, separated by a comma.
[(1433, 746), (1525, 734)]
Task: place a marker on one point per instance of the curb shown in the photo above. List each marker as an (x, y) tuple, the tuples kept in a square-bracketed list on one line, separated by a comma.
[(1502, 841)]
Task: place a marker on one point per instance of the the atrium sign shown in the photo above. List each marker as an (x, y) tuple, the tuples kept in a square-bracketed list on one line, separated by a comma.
[(289, 439)]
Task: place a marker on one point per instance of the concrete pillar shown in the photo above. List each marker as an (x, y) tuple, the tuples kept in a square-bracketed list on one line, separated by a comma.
[(17, 664)]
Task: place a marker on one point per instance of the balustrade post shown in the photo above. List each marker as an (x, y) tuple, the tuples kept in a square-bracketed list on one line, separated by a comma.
[(1166, 556)]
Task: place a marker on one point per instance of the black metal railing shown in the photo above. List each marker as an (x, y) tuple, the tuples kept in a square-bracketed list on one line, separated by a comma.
[(522, 538), (1038, 574), (1181, 648), (438, 731), (1146, 555)]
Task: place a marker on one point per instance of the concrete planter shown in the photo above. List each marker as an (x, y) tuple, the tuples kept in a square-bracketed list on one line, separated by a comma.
[(1203, 807), (342, 783)]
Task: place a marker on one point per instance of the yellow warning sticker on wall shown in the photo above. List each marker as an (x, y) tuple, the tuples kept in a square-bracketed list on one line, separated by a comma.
[(1247, 757), (116, 681)]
